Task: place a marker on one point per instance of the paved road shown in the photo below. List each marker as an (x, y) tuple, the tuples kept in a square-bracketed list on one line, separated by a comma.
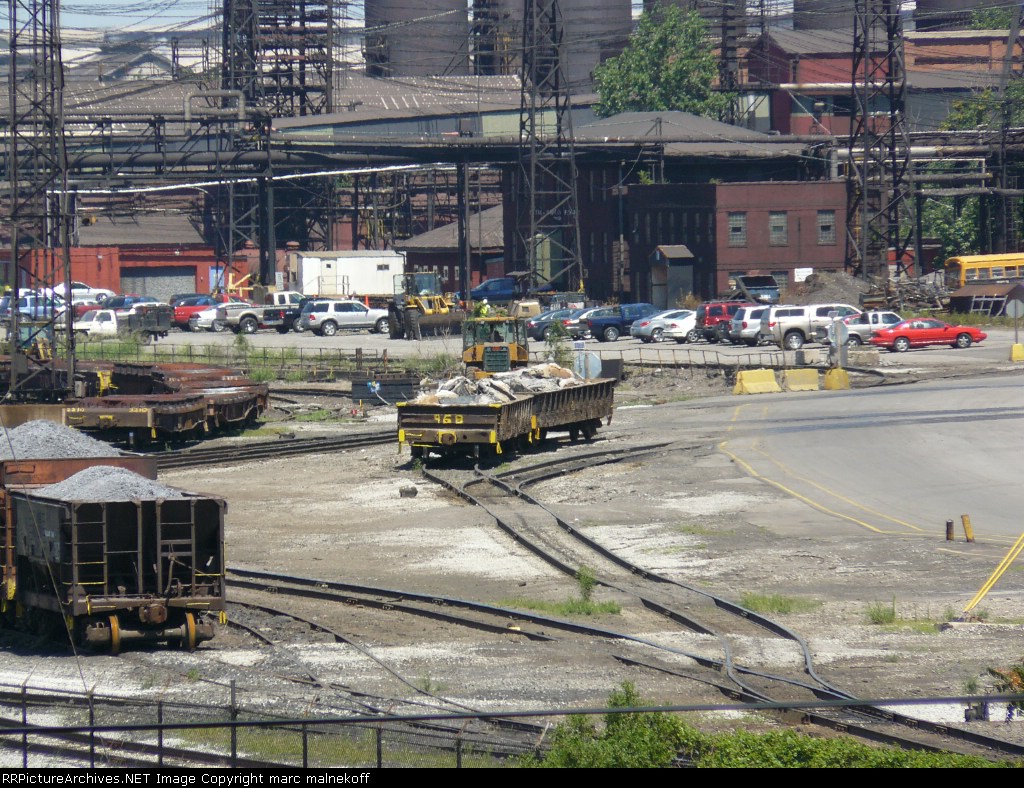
[(892, 460)]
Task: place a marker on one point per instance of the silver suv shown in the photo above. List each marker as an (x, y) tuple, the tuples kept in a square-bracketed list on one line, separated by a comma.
[(327, 317), (745, 324), (791, 326)]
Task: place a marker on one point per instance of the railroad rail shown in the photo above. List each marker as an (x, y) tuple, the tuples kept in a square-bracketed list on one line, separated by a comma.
[(253, 451), (634, 580)]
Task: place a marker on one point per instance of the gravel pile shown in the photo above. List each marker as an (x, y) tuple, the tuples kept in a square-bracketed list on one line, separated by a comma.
[(107, 483), (48, 440), (827, 287), (502, 387)]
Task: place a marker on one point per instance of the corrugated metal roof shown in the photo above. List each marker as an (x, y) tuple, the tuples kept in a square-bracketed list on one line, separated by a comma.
[(990, 290), (668, 125), (367, 98), (486, 231), (674, 251), (813, 42), (951, 79), (164, 228)]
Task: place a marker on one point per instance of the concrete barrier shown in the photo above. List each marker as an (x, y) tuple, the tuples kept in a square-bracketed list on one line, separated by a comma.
[(862, 357), (756, 381), (1017, 352), (837, 380), (800, 380)]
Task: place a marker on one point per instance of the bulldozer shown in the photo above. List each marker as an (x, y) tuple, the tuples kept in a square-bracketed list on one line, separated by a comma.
[(494, 344), (420, 306)]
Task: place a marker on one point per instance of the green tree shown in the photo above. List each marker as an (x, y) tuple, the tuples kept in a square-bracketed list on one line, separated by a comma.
[(668, 64), (992, 18), (954, 224), (985, 108)]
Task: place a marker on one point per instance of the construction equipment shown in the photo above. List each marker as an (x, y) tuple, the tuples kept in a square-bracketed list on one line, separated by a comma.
[(494, 344), (420, 306)]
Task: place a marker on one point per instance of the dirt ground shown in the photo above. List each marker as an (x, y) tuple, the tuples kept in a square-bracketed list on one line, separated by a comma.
[(692, 515)]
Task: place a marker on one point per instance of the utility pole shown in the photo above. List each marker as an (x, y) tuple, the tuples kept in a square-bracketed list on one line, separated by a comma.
[(879, 218), (42, 358), (1005, 200), (729, 64), (547, 227)]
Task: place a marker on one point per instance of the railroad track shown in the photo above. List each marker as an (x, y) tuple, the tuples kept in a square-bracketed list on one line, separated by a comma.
[(201, 456), (565, 548)]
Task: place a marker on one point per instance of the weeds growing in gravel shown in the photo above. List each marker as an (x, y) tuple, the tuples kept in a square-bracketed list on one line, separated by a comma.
[(882, 612), (777, 603)]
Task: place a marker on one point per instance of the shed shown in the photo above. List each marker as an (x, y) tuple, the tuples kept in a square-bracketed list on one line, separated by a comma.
[(671, 274), (985, 299)]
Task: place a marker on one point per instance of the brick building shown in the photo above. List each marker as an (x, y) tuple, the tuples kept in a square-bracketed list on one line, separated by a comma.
[(788, 229)]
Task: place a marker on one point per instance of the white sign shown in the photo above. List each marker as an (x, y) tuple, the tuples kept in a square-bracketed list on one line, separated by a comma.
[(801, 274)]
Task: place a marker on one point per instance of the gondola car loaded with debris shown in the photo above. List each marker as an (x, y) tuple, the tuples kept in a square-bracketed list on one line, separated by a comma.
[(95, 545), (507, 412)]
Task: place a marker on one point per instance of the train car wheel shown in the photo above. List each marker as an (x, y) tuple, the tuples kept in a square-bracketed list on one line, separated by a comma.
[(115, 636), (189, 641)]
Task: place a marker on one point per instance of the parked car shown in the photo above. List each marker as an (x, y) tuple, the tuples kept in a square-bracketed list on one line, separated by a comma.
[(745, 324), (682, 329), (500, 290), (577, 326), (304, 307), (610, 325), (652, 328), (711, 313), (81, 290), (34, 306), (541, 326), (326, 318), (923, 331), (860, 327), (177, 298), (125, 303), (206, 320)]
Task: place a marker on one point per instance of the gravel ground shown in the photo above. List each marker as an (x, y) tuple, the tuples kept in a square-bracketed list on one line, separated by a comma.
[(693, 516)]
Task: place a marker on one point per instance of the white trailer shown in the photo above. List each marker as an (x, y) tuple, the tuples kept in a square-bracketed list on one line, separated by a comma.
[(346, 274)]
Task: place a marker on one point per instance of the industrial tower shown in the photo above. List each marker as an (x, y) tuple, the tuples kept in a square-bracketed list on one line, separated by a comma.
[(879, 213), (42, 358), (547, 227)]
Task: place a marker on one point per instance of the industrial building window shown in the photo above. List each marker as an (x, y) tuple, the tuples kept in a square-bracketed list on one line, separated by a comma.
[(826, 228), (782, 277), (737, 228), (778, 228)]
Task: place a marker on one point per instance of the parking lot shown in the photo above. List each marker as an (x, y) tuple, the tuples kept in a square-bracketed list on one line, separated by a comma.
[(993, 350)]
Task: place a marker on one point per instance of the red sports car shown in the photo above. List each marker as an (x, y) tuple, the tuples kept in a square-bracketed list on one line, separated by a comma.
[(923, 331)]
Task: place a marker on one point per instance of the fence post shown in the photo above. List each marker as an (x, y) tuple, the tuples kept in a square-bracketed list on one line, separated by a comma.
[(234, 728), (160, 733), (305, 746), (359, 359), (380, 747), (24, 724), (458, 752), (92, 729)]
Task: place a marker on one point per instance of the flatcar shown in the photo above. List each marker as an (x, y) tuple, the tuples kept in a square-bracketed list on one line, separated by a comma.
[(480, 429), (100, 547)]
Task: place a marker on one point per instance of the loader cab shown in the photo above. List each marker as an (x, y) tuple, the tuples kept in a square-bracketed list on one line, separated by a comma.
[(494, 344)]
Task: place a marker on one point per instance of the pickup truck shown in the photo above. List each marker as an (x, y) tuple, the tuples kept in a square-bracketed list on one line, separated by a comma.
[(861, 326), (613, 322), (147, 322), (281, 312)]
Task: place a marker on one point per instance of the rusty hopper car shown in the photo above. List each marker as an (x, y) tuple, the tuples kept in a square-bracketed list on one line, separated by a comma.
[(142, 562), (469, 428)]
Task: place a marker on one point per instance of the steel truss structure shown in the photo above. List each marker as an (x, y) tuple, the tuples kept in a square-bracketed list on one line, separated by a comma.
[(879, 217), (547, 229), (42, 357)]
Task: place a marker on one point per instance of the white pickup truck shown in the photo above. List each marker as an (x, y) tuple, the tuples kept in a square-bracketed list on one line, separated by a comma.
[(281, 311), (146, 322)]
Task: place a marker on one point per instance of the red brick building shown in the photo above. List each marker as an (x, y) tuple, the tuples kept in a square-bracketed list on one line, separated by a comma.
[(788, 229)]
